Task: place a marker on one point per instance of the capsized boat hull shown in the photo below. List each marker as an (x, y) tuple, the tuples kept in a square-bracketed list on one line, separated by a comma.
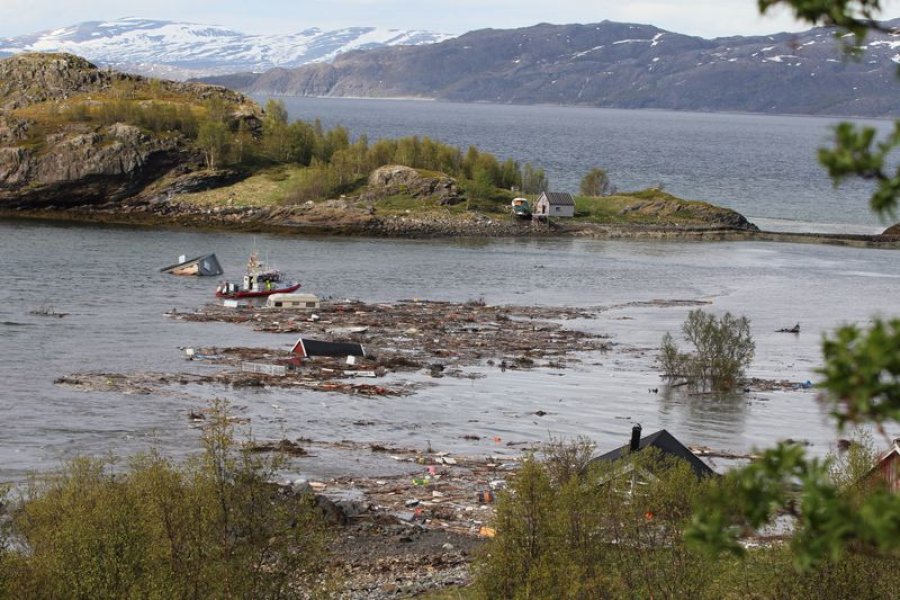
[(204, 266)]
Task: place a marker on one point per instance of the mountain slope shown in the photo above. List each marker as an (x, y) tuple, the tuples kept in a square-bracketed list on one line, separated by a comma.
[(181, 50), (613, 65)]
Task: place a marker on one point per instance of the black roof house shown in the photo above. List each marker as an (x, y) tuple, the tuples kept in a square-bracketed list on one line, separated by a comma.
[(665, 442)]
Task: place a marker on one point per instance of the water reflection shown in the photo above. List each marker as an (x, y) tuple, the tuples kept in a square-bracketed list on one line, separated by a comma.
[(722, 413)]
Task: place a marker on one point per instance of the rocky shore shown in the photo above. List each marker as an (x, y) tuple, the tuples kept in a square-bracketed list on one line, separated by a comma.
[(339, 217)]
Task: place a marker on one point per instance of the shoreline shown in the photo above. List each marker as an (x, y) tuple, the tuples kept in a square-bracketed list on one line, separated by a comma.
[(292, 221)]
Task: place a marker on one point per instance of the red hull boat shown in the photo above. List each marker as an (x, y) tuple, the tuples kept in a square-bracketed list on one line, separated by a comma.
[(259, 282), (222, 292)]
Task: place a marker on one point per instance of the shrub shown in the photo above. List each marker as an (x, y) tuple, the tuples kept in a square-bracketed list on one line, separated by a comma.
[(318, 182), (723, 349), (615, 530), (212, 527), (590, 533)]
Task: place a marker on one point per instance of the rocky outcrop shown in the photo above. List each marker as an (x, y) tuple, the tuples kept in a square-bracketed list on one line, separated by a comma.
[(33, 78), (893, 230), (28, 79), (86, 167), (397, 179), (51, 159), (665, 208)]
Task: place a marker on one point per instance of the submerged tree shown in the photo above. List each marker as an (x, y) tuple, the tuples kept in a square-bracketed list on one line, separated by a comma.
[(723, 349)]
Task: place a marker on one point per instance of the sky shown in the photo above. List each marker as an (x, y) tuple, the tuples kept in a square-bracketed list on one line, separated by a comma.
[(705, 18)]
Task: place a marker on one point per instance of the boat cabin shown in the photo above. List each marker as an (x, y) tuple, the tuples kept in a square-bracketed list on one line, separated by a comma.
[(296, 301)]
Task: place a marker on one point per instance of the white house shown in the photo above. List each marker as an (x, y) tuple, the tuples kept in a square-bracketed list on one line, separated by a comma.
[(554, 204)]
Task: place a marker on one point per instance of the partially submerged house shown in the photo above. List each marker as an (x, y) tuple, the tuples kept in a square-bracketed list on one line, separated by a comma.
[(887, 469), (554, 204), (665, 443)]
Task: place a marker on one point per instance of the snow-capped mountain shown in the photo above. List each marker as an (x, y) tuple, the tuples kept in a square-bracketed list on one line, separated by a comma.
[(181, 50), (620, 65)]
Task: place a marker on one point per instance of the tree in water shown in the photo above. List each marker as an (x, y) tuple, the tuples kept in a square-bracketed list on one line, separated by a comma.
[(723, 349)]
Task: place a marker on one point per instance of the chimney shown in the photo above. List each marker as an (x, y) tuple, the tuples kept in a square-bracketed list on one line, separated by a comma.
[(635, 437)]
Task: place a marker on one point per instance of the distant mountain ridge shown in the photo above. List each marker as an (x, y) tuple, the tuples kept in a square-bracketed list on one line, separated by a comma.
[(611, 64), (182, 50)]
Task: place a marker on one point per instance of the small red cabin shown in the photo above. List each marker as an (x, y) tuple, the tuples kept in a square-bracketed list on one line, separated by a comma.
[(887, 468)]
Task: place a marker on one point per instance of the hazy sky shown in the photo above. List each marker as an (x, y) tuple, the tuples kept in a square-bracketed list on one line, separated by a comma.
[(706, 18)]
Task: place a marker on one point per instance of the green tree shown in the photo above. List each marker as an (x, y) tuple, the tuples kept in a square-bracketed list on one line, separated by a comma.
[(480, 188), (276, 138), (212, 138), (299, 143), (509, 174), (861, 378), (596, 183), (723, 349), (534, 180), (469, 162)]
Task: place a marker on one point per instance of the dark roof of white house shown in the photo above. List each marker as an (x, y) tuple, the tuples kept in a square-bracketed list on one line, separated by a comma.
[(666, 443), (560, 198)]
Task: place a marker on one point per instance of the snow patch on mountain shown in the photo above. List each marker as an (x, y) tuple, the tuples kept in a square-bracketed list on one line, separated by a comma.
[(182, 50)]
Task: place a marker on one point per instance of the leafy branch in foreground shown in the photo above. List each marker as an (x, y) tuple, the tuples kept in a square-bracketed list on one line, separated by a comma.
[(829, 519), (856, 16), (857, 154), (862, 373)]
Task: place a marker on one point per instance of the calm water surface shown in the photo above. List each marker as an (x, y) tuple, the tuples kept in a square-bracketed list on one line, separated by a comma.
[(108, 279)]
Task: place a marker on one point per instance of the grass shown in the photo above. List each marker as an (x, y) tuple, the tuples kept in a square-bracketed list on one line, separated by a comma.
[(268, 187), (610, 209)]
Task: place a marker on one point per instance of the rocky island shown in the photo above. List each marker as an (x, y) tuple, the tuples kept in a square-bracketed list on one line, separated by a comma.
[(85, 144)]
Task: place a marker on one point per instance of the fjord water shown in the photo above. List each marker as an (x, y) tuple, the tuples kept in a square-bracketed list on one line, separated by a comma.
[(763, 166), (107, 279)]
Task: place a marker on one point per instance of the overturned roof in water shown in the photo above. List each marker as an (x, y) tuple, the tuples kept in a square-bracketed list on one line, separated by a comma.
[(666, 443)]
